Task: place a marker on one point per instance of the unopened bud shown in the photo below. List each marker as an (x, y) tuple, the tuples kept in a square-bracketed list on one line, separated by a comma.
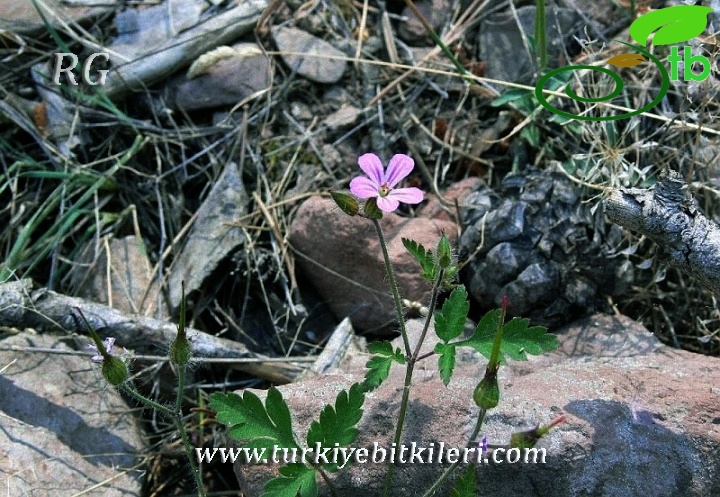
[(114, 370), (444, 252), (487, 392), (528, 439), (347, 203), (180, 350)]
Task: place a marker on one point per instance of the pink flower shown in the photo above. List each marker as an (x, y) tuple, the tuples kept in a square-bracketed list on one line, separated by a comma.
[(381, 184)]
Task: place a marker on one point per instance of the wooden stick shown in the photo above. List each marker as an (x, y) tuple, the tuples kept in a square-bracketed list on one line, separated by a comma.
[(668, 215)]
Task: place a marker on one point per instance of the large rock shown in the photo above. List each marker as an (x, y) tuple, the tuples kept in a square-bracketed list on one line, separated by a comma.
[(642, 419), (342, 258), (309, 56), (212, 238), (64, 431), (23, 17), (224, 76)]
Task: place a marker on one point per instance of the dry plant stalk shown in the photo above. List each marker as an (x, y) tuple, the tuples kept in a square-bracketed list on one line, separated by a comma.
[(668, 215)]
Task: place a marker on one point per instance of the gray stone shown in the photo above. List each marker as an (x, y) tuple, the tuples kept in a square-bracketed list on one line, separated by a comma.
[(412, 30), (321, 61), (502, 41), (213, 237), (119, 275), (641, 418), (242, 71), (536, 242), (64, 430), (23, 17)]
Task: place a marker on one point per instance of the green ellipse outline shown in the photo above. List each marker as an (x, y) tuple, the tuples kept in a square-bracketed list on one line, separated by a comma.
[(664, 87)]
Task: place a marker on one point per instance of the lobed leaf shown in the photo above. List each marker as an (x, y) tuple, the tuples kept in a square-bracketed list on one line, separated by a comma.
[(247, 419), (518, 339), (450, 321), (423, 256), (446, 361), (378, 367), (337, 425), (294, 479)]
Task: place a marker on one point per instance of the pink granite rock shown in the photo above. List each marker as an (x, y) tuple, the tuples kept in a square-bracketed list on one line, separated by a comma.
[(342, 258), (642, 419)]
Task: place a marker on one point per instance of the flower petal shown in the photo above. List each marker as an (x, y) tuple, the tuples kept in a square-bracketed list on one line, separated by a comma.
[(363, 187), (410, 195), (372, 166), (399, 167), (387, 204)]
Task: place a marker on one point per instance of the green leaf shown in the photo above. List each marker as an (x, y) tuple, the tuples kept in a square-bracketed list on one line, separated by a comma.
[(336, 425), (509, 96), (294, 479), (379, 364), (484, 334), (518, 339), (450, 321), (257, 425), (673, 24), (531, 133), (424, 257), (465, 485), (446, 361)]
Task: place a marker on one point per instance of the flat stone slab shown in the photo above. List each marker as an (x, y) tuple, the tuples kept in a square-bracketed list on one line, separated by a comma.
[(64, 431)]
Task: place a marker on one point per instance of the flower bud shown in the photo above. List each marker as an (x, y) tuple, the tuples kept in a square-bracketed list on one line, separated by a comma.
[(180, 350), (347, 203), (487, 392), (528, 439), (444, 252), (114, 370)]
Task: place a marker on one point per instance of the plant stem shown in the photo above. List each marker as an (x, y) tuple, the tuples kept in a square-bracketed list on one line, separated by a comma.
[(448, 472), (433, 300), (410, 367), (393, 287), (176, 415)]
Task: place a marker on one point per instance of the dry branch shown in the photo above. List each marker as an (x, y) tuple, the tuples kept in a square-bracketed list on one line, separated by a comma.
[(668, 215), (22, 306)]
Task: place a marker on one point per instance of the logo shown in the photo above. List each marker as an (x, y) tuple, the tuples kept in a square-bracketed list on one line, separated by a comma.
[(671, 25), (59, 69)]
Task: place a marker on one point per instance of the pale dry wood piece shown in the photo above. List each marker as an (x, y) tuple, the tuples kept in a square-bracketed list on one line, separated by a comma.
[(183, 49), (669, 216), (337, 347), (23, 306)]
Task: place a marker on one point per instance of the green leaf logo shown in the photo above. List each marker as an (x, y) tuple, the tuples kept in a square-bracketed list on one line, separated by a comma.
[(673, 24)]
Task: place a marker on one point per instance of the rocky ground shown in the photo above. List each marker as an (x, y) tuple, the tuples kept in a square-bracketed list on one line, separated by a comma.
[(207, 157)]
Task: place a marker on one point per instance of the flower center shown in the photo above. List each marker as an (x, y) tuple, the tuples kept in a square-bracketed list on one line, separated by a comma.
[(384, 190)]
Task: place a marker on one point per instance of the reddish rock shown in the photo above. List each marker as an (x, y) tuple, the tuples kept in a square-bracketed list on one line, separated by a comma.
[(342, 258), (642, 419)]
